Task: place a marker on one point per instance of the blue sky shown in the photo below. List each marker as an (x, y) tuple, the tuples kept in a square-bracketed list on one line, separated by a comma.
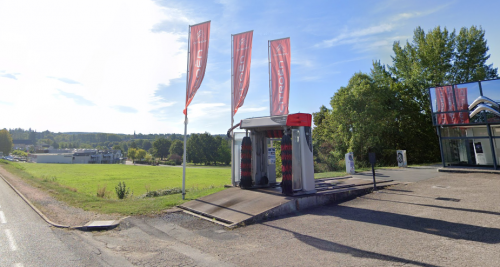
[(118, 66)]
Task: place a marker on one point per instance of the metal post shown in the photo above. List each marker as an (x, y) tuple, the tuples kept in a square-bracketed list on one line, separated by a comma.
[(269, 70), (233, 182), (185, 122), (374, 182), (492, 147), (184, 159), (440, 145)]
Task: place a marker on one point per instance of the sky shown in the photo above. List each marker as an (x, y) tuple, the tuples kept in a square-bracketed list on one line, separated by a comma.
[(119, 66)]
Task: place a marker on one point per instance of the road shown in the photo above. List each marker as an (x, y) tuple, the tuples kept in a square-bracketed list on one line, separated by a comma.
[(27, 240)]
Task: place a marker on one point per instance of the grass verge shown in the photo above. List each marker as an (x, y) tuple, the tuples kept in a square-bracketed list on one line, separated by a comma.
[(78, 185)]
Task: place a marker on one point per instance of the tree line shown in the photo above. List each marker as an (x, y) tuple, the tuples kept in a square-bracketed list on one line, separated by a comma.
[(389, 108), (202, 148)]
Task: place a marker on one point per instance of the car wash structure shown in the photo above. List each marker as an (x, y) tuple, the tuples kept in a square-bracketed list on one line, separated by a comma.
[(254, 160)]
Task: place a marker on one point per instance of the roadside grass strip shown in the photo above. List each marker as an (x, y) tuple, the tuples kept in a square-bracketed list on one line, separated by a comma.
[(79, 184)]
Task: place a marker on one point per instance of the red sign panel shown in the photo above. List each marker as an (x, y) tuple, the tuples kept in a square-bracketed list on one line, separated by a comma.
[(446, 103), (198, 54), (280, 75), (242, 53)]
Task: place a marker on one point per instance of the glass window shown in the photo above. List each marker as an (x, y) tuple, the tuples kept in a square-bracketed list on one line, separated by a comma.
[(491, 89), (453, 132), (432, 92), (466, 93), (495, 130), (475, 152)]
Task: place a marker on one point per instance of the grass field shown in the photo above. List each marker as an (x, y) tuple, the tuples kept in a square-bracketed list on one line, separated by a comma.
[(77, 184)]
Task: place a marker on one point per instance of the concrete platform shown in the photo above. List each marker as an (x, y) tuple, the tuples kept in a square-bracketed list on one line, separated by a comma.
[(236, 206)]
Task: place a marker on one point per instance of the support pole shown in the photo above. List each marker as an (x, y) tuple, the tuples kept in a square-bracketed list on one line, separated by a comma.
[(184, 159)]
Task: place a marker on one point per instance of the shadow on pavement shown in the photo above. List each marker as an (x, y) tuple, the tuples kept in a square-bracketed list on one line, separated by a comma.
[(418, 224), (339, 248), (436, 206)]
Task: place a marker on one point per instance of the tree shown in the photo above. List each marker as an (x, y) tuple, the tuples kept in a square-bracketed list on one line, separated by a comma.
[(132, 153), (471, 57), (141, 154), (146, 145), (209, 147), (161, 147), (195, 149), (177, 148), (118, 147), (133, 144), (5, 142), (223, 150)]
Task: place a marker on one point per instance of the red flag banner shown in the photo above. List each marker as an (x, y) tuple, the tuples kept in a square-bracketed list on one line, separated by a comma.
[(461, 117), (446, 103), (198, 54), (242, 53), (279, 61)]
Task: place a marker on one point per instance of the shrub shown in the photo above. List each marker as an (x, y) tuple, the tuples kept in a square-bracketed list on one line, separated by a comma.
[(175, 158), (162, 192), (121, 190), (170, 162), (101, 192)]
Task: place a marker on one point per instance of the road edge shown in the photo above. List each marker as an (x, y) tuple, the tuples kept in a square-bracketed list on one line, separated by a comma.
[(33, 206)]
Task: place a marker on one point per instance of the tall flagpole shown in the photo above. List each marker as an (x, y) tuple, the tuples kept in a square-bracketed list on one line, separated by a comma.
[(185, 122), (232, 112)]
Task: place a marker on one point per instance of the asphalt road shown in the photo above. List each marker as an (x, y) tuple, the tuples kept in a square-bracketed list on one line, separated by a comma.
[(27, 240)]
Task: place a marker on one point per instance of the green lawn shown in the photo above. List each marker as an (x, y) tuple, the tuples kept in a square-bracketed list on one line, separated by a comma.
[(77, 184)]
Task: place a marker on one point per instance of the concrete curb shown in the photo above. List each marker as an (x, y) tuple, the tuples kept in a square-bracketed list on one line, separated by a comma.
[(466, 170), (87, 227), (33, 206)]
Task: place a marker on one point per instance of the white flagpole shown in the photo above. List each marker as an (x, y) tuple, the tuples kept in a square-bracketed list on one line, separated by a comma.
[(185, 123), (232, 112)]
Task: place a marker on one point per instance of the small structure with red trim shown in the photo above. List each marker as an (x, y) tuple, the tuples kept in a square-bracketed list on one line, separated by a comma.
[(253, 155)]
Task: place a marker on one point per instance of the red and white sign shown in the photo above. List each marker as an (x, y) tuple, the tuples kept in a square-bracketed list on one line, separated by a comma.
[(280, 75), (198, 54), (242, 53), (445, 103)]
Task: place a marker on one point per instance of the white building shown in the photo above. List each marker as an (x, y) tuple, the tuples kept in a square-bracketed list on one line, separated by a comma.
[(77, 156)]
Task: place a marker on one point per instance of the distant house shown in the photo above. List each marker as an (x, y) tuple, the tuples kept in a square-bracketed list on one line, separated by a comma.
[(77, 156), (22, 144)]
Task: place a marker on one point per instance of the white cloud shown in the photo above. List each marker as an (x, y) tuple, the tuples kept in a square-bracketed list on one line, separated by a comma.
[(352, 36), (99, 52)]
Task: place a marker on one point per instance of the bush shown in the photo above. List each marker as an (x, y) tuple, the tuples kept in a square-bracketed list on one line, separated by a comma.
[(175, 158), (121, 190), (101, 192), (162, 192), (170, 162)]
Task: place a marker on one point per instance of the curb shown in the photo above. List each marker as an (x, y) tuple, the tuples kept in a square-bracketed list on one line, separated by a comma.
[(33, 207), (465, 170), (86, 227)]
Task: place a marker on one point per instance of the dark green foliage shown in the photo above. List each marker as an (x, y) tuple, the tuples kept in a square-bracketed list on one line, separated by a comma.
[(161, 147), (177, 147), (122, 191), (5, 142)]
